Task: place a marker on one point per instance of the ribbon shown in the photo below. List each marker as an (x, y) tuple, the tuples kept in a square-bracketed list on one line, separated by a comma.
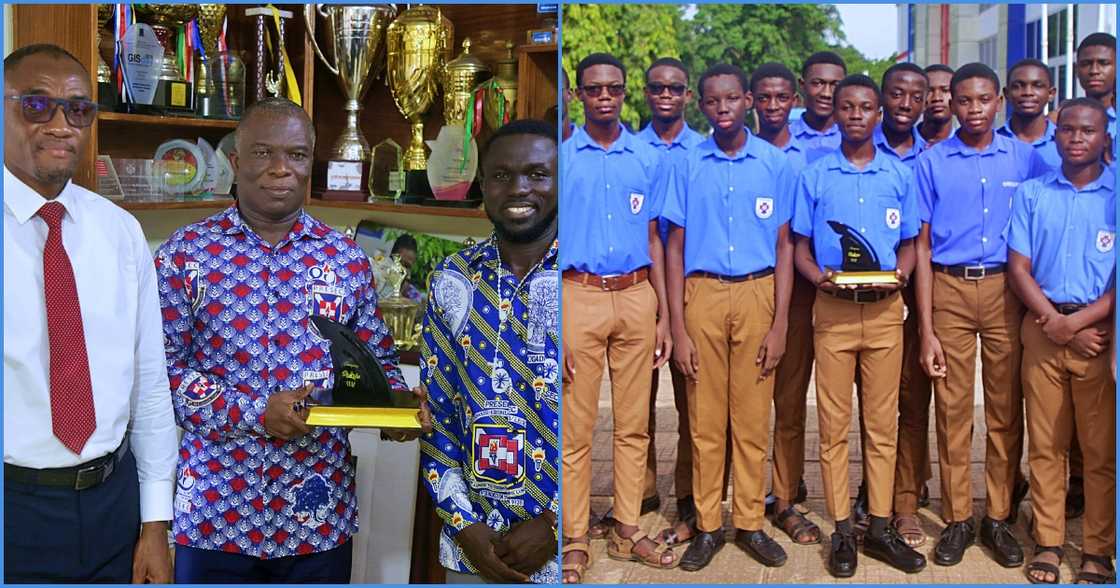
[(289, 72)]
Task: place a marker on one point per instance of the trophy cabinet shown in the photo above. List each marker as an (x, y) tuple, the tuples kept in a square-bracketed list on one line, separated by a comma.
[(120, 135)]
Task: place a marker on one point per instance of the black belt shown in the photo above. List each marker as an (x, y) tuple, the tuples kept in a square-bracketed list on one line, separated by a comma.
[(79, 477), (863, 296), (970, 272), (733, 279), (1068, 307)]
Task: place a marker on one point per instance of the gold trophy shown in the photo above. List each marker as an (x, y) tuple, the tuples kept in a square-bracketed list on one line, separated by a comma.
[(460, 76), (104, 13), (210, 19), (499, 106), (419, 44), (353, 44), (172, 92), (400, 313)]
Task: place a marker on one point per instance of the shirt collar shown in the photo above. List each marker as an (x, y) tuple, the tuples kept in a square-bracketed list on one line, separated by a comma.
[(25, 202), (230, 222), (1106, 181), (751, 148), (880, 139), (650, 135), (837, 161), (1111, 112), (623, 143), (1046, 137), (955, 146), (794, 144), (803, 128), (486, 253)]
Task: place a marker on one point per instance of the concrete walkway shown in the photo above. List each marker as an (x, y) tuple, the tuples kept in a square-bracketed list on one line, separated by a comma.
[(806, 564)]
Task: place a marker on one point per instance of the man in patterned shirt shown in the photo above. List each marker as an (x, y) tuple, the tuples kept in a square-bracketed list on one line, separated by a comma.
[(492, 372), (262, 497)]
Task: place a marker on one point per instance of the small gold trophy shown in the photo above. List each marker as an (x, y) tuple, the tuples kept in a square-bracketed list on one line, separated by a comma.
[(210, 19), (500, 104), (861, 264), (400, 313)]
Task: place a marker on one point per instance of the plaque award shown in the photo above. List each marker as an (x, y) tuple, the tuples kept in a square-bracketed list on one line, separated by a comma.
[(361, 396), (861, 266), (173, 94), (142, 56), (386, 171), (353, 46)]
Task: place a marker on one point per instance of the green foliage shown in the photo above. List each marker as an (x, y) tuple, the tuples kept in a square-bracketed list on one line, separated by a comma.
[(430, 250), (746, 35), (637, 34)]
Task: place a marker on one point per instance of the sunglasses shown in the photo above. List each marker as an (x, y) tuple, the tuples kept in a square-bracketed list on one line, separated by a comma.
[(674, 89), (40, 109), (613, 89)]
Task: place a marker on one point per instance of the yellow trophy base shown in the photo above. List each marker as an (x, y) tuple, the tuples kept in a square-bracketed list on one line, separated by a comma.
[(864, 278), (364, 417)]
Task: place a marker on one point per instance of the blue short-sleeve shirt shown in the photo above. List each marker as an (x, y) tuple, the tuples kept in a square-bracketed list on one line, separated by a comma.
[(684, 142), (965, 196), (817, 143), (1068, 234), (910, 158), (731, 206), (1045, 146), (878, 202)]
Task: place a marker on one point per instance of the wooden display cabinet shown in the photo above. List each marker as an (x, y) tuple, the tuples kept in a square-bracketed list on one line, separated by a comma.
[(74, 27)]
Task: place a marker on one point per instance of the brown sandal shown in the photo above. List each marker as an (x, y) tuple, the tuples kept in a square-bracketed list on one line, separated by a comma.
[(910, 528), (795, 524), (622, 549), (577, 569)]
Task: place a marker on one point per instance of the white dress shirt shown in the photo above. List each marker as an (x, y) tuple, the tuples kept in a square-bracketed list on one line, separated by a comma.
[(116, 284)]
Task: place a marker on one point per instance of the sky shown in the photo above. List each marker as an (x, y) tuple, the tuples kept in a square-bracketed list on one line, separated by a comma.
[(871, 28)]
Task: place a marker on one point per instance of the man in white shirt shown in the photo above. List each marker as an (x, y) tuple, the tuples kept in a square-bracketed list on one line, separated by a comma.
[(89, 436)]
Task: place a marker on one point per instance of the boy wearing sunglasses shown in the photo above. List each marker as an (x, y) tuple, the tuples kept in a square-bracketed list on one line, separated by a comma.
[(89, 437)]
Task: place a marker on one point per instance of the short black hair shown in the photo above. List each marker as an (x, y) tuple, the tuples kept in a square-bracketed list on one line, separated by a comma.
[(859, 80), (278, 106), (1087, 103), (524, 126), (723, 69), (598, 59), (1030, 62), (405, 241), (669, 62), (1102, 39), (899, 68), (941, 67), (823, 57), (773, 70), (974, 70), (48, 49)]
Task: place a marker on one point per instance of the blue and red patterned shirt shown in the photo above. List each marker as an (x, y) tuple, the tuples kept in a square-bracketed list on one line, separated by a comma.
[(236, 329), (492, 370)]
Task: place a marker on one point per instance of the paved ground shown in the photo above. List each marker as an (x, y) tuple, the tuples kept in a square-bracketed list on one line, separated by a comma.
[(806, 564)]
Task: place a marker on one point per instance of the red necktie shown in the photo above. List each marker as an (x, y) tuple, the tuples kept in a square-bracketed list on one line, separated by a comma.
[(72, 412)]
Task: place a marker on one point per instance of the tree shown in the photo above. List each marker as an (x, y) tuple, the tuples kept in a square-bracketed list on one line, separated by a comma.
[(637, 34)]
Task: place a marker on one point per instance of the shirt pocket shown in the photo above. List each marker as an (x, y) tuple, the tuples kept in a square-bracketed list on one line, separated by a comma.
[(1101, 253), (635, 203)]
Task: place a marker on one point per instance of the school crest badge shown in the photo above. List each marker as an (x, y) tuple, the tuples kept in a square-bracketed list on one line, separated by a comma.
[(894, 218), (499, 454), (1105, 241), (636, 200), (763, 207)]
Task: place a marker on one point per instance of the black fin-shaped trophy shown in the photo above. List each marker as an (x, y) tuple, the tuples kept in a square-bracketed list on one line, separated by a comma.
[(361, 396), (861, 264)]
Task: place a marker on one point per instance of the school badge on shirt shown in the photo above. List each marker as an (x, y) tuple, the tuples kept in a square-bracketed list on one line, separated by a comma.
[(636, 200), (763, 207), (1105, 241), (326, 295), (499, 454), (894, 218)]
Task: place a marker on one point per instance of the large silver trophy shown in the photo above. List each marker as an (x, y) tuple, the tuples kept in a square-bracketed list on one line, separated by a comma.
[(354, 51)]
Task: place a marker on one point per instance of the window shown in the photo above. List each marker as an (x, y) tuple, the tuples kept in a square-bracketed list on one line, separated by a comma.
[(1034, 39), (988, 50)]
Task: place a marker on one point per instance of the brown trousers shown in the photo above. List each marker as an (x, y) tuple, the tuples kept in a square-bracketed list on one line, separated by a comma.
[(963, 309), (1063, 388), (846, 335), (618, 327), (727, 323), (791, 388), (912, 468)]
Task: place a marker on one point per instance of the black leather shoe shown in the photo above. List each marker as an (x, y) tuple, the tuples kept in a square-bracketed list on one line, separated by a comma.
[(842, 557), (651, 504), (997, 536), (761, 547), (701, 551), (954, 540), (892, 549), (861, 515)]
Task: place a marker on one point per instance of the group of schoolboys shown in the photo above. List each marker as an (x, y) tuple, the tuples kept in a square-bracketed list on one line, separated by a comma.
[(736, 255)]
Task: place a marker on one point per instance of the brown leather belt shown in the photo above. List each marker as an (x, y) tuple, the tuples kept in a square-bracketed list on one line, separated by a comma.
[(79, 477), (734, 279), (1068, 307), (864, 296), (970, 272), (607, 283)]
